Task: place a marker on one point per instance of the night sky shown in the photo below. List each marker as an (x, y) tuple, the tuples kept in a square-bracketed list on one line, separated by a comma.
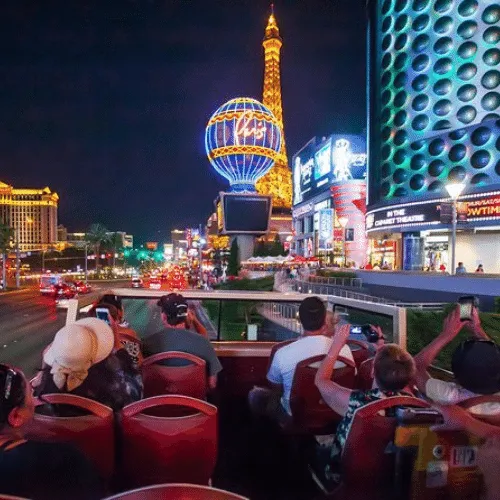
[(106, 102)]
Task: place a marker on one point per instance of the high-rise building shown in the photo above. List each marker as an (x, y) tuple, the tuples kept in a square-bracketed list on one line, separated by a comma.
[(434, 119), (32, 213), (278, 181)]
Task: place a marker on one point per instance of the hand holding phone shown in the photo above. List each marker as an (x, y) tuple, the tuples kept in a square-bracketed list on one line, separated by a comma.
[(467, 303), (102, 313)]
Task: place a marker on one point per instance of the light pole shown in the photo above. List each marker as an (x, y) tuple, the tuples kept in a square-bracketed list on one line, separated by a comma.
[(343, 223), (18, 259), (454, 190), (86, 264)]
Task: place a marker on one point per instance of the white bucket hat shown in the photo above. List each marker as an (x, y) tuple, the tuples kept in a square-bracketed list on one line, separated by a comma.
[(75, 348)]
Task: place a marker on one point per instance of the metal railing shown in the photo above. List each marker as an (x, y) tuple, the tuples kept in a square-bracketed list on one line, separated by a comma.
[(321, 289), (337, 281)]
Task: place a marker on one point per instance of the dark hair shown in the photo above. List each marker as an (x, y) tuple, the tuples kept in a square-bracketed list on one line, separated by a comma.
[(114, 300), (312, 313), (476, 366), (12, 392), (175, 308), (393, 368)]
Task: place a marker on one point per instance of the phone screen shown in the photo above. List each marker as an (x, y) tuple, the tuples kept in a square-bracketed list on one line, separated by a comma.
[(466, 304), (103, 314), (356, 329)]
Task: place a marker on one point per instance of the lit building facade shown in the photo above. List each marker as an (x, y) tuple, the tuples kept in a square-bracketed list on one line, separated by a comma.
[(179, 244), (329, 189), (434, 110), (278, 181), (32, 213)]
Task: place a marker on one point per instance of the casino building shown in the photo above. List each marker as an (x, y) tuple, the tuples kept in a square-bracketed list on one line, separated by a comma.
[(434, 119), (32, 213), (329, 191)]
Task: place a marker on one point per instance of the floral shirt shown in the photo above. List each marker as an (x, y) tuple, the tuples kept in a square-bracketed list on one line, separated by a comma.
[(357, 400), (114, 382)]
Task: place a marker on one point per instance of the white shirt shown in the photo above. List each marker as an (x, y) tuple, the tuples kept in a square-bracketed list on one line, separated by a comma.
[(449, 393), (286, 359)]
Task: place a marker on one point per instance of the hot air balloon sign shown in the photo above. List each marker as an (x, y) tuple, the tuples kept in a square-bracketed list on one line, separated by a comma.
[(242, 140)]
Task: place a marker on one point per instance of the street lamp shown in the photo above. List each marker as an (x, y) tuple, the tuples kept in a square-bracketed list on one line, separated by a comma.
[(343, 223), (454, 190)]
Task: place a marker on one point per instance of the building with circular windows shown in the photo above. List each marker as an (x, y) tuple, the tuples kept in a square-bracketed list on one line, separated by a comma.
[(434, 119)]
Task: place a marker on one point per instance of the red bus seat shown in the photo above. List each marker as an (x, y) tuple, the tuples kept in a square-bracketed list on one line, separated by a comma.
[(189, 380), (177, 492), (367, 467), (93, 434), (360, 351), (163, 449), (311, 415)]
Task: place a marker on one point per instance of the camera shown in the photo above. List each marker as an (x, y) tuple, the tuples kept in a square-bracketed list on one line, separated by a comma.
[(370, 333)]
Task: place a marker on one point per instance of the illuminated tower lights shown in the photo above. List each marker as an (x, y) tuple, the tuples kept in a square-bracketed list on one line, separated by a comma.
[(278, 182)]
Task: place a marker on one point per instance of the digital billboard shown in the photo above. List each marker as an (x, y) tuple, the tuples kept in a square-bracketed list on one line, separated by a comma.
[(245, 213), (340, 157)]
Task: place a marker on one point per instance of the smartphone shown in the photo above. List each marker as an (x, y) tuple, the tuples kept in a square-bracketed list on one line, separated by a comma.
[(102, 313), (355, 329), (467, 303)]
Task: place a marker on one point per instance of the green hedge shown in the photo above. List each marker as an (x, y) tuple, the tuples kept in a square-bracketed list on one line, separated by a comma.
[(424, 326), (261, 284), (497, 305), (325, 273)]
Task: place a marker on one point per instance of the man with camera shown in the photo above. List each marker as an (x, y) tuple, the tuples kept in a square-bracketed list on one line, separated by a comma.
[(475, 362), (176, 336)]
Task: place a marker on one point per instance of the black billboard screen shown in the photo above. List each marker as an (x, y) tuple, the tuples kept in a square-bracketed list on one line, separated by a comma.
[(246, 213)]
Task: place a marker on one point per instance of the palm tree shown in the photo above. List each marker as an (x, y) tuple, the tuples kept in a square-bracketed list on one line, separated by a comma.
[(95, 237), (6, 237), (115, 242)]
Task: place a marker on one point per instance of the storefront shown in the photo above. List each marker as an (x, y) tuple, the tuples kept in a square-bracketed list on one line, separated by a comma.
[(424, 233)]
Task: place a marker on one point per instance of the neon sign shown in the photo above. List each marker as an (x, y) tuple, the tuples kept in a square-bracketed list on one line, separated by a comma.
[(243, 128)]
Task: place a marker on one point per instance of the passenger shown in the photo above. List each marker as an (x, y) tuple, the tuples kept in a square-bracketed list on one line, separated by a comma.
[(480, 269), (274, 402), (31, 469), (475, 365), (87, 359), (177, 337), (393, 370), (460, 269), (127, 337)]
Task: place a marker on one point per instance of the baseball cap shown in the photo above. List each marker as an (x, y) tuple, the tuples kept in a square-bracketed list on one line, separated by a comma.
[(312, 313), (476, 366), (75, 348), (175, 307)]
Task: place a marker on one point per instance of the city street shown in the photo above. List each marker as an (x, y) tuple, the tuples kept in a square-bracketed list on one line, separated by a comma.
[(28, 322)]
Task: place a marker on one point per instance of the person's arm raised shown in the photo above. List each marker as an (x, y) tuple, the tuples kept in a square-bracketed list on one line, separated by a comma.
[(335, 396), (451, 326)]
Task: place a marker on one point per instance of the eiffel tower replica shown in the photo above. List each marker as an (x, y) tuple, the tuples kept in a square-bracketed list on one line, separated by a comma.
[(278, 181)]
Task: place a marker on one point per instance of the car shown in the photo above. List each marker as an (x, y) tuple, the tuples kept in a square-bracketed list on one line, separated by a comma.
[(82, 287), (137, 283), (65, 291), (155, 284)]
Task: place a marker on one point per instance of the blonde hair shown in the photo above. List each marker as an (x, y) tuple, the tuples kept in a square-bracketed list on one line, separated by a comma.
[(393, 368)]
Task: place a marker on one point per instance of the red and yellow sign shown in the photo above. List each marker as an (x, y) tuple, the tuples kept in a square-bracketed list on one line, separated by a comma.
[(484, 207)]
